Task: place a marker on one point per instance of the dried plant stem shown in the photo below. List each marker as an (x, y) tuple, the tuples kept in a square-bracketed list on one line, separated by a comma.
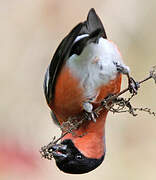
[(112, 103), (108, 101), (64, 134), (127, 89)]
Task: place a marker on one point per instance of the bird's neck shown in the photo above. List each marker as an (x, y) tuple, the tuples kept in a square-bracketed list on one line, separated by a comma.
[(90, 138)]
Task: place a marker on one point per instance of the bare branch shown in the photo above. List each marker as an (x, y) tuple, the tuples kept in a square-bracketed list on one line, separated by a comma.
[(112, 103), (153, 73)]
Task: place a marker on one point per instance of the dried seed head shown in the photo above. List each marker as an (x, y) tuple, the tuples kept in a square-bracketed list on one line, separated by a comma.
[(153, 73)]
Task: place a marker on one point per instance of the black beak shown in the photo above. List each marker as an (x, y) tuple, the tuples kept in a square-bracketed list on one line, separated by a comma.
[(59, 156), (59, 152)]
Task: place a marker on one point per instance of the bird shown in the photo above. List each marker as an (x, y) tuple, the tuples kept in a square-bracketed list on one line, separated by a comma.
[(85, 69)]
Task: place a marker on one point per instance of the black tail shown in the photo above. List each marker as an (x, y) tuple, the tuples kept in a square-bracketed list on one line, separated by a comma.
[(93, 28), (92, 24)]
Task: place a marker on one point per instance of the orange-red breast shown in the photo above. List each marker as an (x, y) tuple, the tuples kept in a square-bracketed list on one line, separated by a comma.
[(85, 69)]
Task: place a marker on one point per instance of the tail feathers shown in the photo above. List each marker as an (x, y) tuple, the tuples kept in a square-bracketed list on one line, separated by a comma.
[(93, 23)]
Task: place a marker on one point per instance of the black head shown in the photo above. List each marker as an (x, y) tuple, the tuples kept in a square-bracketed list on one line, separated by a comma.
[(70, 160)]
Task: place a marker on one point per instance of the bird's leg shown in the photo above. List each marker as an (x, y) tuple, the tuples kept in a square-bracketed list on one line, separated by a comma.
[(132, 84), (89, 114)]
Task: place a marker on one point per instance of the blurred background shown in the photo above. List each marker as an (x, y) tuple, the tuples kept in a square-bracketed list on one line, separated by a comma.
[(30, 32)]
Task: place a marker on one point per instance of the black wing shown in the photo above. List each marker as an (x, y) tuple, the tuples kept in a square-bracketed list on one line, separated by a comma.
[(93, 27), (61, 54)]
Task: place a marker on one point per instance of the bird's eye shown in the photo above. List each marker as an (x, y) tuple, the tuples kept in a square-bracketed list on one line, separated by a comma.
[(78, 156)]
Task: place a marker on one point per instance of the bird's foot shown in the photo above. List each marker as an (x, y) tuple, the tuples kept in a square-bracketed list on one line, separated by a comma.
[(122, 68), (89, 114), (133, 86)]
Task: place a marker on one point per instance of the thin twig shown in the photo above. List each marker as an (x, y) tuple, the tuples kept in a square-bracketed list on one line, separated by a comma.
[(109, 103)]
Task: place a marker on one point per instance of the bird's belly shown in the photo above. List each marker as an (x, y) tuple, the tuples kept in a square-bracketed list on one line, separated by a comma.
[(113, 87), (70, 94)]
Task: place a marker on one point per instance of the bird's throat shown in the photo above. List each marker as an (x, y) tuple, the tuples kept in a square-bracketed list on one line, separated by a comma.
[(89, 139)]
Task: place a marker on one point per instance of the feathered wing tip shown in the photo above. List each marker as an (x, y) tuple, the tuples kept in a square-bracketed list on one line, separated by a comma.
[(92, 24)]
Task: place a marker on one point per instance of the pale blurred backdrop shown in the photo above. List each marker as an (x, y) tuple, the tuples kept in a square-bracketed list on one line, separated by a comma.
[(30, 32)]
